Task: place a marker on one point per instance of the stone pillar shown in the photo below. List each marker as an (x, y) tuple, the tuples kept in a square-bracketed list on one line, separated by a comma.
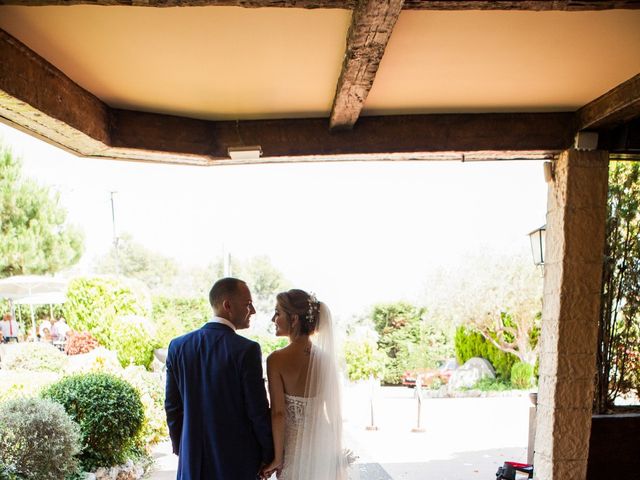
[(576, 218)]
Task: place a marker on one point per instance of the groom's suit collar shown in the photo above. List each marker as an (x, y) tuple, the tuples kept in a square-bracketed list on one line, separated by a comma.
[(220, 321)]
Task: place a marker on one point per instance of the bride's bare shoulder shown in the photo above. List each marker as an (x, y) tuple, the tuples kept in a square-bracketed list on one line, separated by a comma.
[(277, 356)]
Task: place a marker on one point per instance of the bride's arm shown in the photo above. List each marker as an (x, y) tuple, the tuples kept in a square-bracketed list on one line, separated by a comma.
[(276, 394)]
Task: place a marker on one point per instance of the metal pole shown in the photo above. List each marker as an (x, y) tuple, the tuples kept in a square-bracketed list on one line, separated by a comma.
[(418, 428), (115, 237), (33, 322), (372, 426)]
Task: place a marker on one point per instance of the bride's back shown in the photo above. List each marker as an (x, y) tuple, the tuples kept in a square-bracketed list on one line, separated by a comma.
[(293, 366)]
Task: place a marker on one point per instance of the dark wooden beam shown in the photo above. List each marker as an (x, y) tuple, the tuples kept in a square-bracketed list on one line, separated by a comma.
[(40, 98), (539, 5), (386, 135), (619, 105), (371, 26)]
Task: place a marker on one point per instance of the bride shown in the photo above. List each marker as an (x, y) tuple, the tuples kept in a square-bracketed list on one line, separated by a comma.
[(305, 395)]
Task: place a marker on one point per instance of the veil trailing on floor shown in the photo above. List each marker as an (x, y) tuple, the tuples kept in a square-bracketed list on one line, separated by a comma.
[(320, 454)]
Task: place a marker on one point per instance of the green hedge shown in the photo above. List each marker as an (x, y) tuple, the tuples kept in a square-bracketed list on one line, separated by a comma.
[(109, 412), (471, 344)]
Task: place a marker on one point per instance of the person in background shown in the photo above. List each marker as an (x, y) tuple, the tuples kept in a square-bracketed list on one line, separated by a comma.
[(59, 330), (45, 326), (10, 328)]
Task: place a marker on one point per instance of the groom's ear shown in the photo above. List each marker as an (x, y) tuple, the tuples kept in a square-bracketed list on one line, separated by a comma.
[(226, 305)]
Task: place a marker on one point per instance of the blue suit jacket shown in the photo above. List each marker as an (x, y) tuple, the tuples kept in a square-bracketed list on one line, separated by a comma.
[(216, 405)]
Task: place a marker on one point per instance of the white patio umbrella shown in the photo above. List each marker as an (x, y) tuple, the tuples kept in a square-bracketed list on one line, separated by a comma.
[(33, 290)]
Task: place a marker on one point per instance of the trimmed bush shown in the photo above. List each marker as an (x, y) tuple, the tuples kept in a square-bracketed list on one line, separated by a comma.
[(80, 342), (522, 375), (38, 440), (471, 344), (109, 412), (35, 357)]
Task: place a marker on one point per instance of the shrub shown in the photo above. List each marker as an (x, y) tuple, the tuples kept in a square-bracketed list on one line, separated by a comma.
[(363, 359), (151, 389), (98, 305), (471, 344), (109, 412), (80, 342), (99, 360), (522, 375), (38, 440), (35, 357), (24, 384), (487, 384), (135, 340)]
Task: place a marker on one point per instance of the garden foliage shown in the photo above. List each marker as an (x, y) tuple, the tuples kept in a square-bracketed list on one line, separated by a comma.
[(619, 327), (80, 342), (363, 359), (105, 308), (35, 237), (469, 344), (36, 357), (522, 375), (399, 328), (109, 412), (38, 440)]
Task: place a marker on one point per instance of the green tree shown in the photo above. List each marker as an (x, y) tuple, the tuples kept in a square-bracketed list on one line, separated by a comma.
[(498, 296), (619, 326), (113, 310), (34, 235), (265, 281), (399, 328), (133, 260)]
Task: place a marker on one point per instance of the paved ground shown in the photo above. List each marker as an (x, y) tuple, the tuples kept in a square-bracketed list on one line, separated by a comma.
[(463, 439)]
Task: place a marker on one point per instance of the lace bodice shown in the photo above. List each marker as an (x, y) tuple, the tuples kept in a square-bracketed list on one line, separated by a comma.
[(294, 420), (295, 409)]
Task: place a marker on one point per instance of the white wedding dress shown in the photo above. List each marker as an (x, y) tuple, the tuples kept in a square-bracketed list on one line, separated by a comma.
[(294, 422), (313, 422)]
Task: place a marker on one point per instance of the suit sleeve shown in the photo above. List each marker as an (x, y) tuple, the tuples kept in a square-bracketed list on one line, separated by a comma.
[(257, 406), (173, 403)]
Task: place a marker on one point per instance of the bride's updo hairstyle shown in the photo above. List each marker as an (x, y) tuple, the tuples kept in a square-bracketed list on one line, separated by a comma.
[(307, 307)]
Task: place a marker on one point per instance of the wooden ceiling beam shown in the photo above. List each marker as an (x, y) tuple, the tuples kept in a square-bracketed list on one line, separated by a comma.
[(38, 97), (384, 135), (371, 26), (619, 105), (536, 5)]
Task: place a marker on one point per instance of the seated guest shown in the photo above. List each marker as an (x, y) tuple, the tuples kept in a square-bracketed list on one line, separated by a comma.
[(45, 325)]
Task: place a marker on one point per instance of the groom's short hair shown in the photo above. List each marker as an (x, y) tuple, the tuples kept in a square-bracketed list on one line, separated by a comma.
[(223, 288)]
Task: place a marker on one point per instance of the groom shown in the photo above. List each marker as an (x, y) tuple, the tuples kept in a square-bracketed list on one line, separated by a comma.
[(216, 403)]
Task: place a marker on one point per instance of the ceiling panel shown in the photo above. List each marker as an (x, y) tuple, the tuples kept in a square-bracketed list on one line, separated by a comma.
[(504, 61), (203, 62)]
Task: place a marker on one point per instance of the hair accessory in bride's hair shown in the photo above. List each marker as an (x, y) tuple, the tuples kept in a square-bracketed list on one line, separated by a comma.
[(314, 307)]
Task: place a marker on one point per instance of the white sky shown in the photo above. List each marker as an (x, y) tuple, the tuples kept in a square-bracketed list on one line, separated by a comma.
[(354, 233)]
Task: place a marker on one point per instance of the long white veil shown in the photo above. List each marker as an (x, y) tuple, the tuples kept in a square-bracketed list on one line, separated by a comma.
[(319, 442)]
